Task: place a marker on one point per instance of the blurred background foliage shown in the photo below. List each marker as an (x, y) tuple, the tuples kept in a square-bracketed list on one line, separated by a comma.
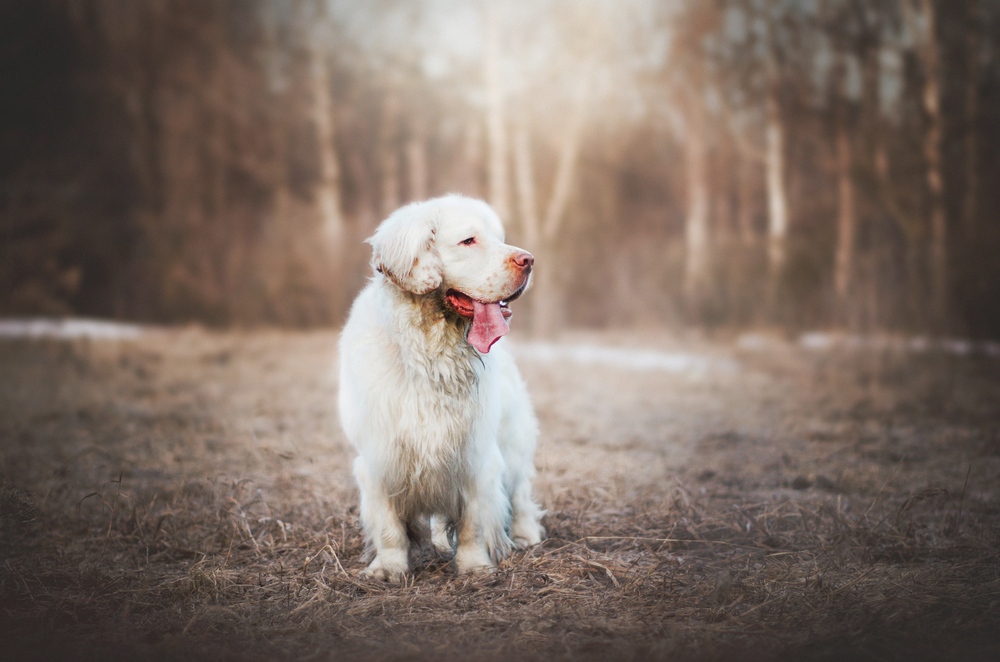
[(724, 163)]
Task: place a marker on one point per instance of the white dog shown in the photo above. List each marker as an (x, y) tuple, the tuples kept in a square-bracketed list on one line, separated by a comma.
[(440, 417)]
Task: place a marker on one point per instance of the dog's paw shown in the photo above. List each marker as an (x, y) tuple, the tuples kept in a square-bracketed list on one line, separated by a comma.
[(391, 573), (526, 533), (473, 561), (439, 536)]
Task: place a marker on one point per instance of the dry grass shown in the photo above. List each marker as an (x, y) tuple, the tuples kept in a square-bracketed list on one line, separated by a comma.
[(187, 496)]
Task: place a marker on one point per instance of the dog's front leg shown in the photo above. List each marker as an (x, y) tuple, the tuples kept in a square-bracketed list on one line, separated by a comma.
[(385, 532), (482, 536)]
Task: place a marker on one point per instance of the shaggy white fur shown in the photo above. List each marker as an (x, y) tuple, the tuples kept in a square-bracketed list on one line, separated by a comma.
[(440, 417)]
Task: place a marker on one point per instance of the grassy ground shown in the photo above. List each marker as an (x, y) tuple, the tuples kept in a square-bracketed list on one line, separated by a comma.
[(187, 495)]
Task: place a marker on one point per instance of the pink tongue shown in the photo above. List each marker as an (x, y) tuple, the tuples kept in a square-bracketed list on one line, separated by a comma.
[(488, 325)]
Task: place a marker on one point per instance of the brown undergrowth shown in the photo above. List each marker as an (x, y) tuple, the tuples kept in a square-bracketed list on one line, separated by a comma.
[(189, 497)]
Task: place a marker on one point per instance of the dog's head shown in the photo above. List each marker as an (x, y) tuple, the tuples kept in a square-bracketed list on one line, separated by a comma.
[(454, 247)]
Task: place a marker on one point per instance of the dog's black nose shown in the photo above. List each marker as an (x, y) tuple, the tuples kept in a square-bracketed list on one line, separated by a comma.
[(523, 259)]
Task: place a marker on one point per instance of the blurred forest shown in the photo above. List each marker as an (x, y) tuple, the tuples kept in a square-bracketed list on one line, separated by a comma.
[(726, 163)]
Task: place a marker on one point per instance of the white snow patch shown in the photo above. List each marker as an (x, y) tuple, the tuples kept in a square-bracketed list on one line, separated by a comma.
[(621, 358), (759, 342), (68, 329), (823, 341)]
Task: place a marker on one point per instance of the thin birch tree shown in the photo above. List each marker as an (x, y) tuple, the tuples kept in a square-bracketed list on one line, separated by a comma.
[(922, 22), (328, 183)]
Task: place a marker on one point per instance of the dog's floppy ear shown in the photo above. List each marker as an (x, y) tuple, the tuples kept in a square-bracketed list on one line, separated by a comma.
[(403, 249)]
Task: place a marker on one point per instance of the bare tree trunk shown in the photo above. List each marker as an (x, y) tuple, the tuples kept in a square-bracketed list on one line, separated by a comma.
[(696, 221), (565, 172), (389, 149), (543, 304), (846, 221), (499, 187), (846, 211), (970, 203), (932, 156), (470, 165), (777, 192), (911, 227), (541, 235), (548, 300), (416, 161), (722, 172), (869, 154), (543, 295), (745, 204), (328, 187), (524, 177)]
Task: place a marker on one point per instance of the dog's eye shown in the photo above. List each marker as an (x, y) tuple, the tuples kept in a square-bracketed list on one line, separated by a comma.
[(468, 242)]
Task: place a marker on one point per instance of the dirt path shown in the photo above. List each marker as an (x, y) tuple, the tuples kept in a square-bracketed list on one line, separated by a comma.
[(187, 494)]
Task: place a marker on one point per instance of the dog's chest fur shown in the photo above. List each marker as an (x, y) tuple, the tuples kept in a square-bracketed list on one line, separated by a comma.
[(438, 415)]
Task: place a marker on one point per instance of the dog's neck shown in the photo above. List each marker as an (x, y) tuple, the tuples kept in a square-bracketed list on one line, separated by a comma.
[(426, 327)]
